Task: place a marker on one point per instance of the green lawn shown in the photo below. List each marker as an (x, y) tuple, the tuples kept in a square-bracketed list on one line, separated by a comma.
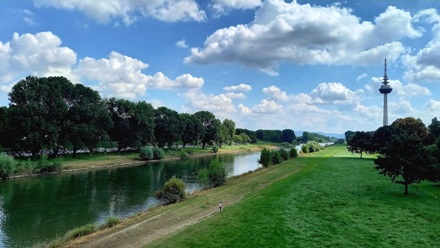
[(336, 200)]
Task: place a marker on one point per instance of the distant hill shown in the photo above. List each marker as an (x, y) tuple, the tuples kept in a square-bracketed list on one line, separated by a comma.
[(335, 135)]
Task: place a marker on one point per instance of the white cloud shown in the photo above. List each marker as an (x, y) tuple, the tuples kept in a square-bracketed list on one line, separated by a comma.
[(104, 11), (362, 76), (433, 106), (334, 93), (399, 88), (118, 76), (220, 105), (306, 34), (39, 54), (267, 107), (185, 81), (222, 6), (275, 93), (181, 44), (240, 87), (28, 17), (234, 95)]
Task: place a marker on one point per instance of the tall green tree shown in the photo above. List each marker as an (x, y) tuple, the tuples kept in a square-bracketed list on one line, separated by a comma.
[(192, 128), (288, 135), (211, 127), (360, 142), (229, 128), (403, 155), (38, 107), (168, 127)]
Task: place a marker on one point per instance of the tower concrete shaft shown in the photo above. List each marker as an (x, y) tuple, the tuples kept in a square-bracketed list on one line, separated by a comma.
[(385, 89)]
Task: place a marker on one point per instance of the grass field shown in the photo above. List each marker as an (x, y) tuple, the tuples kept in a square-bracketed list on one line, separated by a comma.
[(336, 200)]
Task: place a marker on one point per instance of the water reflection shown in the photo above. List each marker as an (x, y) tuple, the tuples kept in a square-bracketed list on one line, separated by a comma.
[(39, 209)]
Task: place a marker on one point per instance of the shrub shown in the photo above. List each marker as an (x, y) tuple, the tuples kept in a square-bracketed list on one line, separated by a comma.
[(293, 153), (44, 165), (214, 149), (265, 158), (27, 166), (217, 173), (276, 157), (173, 191), (80, 231), (305, 149), (110, 222), (7, 166), (158, 153), (285, 144), (146, 153), (284, 154), (203, 177), (190, 151), (184, 155)]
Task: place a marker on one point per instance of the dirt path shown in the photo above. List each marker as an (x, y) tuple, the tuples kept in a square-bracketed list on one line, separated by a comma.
[(166, 220)]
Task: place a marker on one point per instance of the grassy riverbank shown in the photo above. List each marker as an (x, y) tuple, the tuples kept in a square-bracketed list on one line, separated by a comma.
[(330, 198)]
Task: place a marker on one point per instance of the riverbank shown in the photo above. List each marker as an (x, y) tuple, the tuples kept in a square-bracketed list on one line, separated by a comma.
[(330, 198), (110, 160)]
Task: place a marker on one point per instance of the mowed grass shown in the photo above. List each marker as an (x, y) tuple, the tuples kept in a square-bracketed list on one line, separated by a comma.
[(336, 200)]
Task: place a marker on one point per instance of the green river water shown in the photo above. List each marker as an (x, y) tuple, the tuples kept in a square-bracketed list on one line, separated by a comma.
[(36, 210)]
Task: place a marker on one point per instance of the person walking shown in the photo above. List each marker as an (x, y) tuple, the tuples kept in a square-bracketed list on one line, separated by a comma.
[(220, 205)]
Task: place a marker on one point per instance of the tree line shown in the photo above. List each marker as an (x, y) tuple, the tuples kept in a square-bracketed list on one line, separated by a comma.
[(53, 114), (409, 152)]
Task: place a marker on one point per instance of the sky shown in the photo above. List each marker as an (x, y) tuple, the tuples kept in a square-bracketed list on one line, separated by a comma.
[(303, 65)]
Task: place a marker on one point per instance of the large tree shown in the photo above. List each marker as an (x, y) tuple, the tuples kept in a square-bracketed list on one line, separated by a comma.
[(288, 135), (38, 108), (192, 128), (229, 129), (168, 127), (360, 142), (404, 156), (211, 127)]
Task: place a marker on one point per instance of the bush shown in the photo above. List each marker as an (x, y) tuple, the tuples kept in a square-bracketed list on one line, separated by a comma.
[(217, 173), (276, 157), (265, 158), (305, 149), (146, 153), (27, 166), (158, 153), (284, 154), (7, 166), (293, 153), (173, 191), (47, 166), (184, 155), (214, 149), (203, 178), (110, 222), (80, 231)]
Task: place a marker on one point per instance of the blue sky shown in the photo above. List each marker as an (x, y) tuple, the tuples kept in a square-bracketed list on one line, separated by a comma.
[(274, 64)]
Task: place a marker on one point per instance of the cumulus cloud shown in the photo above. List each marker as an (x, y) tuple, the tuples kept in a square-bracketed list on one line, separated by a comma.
[(240, 87), (334, 93), (306, 34), (222, 6), (181, 44), (119, 75), (104, 11), (219, 104), (275, 93), (234, 95), (400, 89), (39, 54), (267, 107)]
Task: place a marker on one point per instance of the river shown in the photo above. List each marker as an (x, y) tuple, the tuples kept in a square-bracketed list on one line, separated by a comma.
[(37, 210)]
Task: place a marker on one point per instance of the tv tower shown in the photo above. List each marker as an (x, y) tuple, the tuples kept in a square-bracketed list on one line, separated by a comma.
[(385, 89)]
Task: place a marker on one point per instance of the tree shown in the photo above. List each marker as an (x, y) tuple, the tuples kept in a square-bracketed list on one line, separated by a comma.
[(403, 154), (434, 128), (360, 142), (192, 128), (288, 135), (173, 191), (265, 158), (211, 127), (229, 126), (168, 128), (38, 108), (215, 175), (88, 120)]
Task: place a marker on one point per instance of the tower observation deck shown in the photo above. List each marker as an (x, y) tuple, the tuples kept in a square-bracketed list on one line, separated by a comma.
[(385, 89)]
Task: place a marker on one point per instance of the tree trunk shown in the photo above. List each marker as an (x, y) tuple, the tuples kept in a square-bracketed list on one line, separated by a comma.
[(406, 188)]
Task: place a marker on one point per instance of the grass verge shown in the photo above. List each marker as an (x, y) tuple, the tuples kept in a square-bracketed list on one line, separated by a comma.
[(337, 201)]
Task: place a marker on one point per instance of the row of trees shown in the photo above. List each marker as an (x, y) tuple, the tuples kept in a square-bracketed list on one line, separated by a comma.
[(53, 114), (409, 152)]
